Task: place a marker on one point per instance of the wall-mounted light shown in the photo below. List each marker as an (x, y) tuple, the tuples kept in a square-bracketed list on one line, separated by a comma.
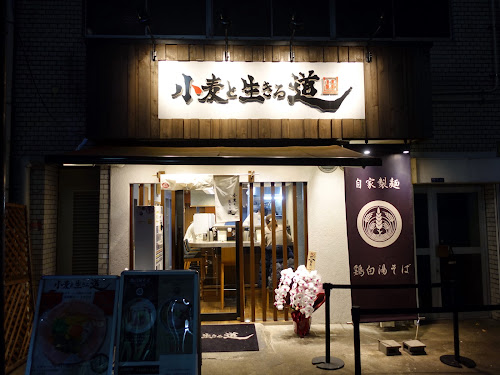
[(366, 152), (406, 151), (226, 23), (293, 26)]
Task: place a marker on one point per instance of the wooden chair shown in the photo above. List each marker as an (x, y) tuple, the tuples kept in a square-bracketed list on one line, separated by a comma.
[(196, 256)]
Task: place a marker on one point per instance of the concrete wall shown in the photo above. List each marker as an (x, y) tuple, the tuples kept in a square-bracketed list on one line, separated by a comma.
[(326, 214)]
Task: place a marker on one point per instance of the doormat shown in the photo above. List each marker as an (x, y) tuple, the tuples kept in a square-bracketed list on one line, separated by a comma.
[(228, 338)]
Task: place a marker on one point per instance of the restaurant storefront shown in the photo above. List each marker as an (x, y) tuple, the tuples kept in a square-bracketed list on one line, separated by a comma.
[(270, 122)]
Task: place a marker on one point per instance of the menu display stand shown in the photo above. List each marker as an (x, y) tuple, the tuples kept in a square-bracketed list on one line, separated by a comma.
[(74, 325), (158, 329)]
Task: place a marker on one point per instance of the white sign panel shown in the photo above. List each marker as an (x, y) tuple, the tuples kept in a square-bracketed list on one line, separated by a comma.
[(257, 90)]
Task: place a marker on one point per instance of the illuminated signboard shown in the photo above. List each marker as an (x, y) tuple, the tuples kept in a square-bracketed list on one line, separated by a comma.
[(254, 90)]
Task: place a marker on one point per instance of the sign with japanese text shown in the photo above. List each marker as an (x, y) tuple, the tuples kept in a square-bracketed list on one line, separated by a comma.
[(256, 90), (158, 323), (379, 209), (74, 325)]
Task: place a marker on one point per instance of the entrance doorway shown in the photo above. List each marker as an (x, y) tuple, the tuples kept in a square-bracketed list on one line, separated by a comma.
[(451, 244), (239, 262)]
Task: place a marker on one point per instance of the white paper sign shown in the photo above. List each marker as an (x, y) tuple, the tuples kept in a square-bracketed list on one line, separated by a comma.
[(258, 90)]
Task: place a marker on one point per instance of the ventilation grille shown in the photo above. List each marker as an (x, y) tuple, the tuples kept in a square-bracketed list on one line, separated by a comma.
[(85, 232)]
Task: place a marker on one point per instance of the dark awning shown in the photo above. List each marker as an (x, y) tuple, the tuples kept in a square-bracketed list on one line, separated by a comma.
[(332, 155)]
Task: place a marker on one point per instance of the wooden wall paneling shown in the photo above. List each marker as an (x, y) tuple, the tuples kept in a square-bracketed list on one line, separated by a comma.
[(264, 128), (296, 128), (195, 128), (242, 129), (171, 52), (182, 52), (263, 289), (295, 233), (398, 95), (210, 52), (311, 128), (177, 128), (268, 53), (306, 225), (384, 93), (285, 128), (165, 128), (238, 53), (274, 257), (248, 53), (119, 99), (232, 128), (371, 97), (155, 121), (281, 53), (348, 128), (359, 129), (331, 54), (252, 250), (219, 53), (160, 52), (196, 52), (205, 129), (316, 54), (324, 128), (224, 129), (144, 92), (301, 53), (275, 128), (215, 128), (337, 129), (284, 239), (343, 54), (132, 91), (258, 53), (241, 272), (254, 126), (356, 54)]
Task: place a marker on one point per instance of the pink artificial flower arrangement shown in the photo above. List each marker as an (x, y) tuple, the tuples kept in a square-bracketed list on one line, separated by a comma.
[(302, 290)]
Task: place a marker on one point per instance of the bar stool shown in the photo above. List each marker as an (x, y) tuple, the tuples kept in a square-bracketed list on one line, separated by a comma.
[(227, 258), (197, 257)]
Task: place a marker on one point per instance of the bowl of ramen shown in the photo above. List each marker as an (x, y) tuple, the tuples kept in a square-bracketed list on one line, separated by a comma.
[(72, 332)]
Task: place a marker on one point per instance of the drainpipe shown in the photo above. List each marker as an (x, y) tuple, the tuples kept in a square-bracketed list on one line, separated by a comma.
[(497, 191), (7, 43), (456, 96)]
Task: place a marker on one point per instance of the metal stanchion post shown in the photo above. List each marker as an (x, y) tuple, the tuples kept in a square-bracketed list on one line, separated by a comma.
[(356, 317), (327, 362), (456, 360)]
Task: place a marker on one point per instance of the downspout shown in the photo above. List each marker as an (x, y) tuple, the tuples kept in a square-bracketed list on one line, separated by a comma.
[(497, 233), (7, 16), (446, 96)]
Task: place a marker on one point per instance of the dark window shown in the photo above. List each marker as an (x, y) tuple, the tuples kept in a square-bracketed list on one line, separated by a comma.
[(364, 18), (132, 17), (421, 220), (458, 219), (312, 18), (248, 18)]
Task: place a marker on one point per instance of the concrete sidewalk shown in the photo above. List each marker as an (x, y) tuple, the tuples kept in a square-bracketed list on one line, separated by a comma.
[(283, 352)]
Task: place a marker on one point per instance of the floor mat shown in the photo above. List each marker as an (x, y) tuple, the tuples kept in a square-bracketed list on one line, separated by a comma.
[(228, 338)]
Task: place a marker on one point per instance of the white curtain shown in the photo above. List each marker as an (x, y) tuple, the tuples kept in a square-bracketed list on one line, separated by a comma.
[(226, 198)]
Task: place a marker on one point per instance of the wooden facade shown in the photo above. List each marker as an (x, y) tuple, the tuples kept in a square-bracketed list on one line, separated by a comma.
[(123, 94)]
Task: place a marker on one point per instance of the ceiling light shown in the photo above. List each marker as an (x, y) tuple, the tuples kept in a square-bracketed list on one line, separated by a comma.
[(366, 152)]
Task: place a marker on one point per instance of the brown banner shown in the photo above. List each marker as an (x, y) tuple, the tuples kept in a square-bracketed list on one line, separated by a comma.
[(379, 209)]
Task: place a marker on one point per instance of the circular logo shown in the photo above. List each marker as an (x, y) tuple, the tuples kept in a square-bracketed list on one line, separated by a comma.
[(379, 223)]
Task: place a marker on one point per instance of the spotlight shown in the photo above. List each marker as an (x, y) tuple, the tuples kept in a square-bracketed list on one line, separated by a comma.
[(366, 152)]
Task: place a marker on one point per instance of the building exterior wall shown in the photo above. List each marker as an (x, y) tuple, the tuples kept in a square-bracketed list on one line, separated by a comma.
[(43, 221), (103, 261)]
